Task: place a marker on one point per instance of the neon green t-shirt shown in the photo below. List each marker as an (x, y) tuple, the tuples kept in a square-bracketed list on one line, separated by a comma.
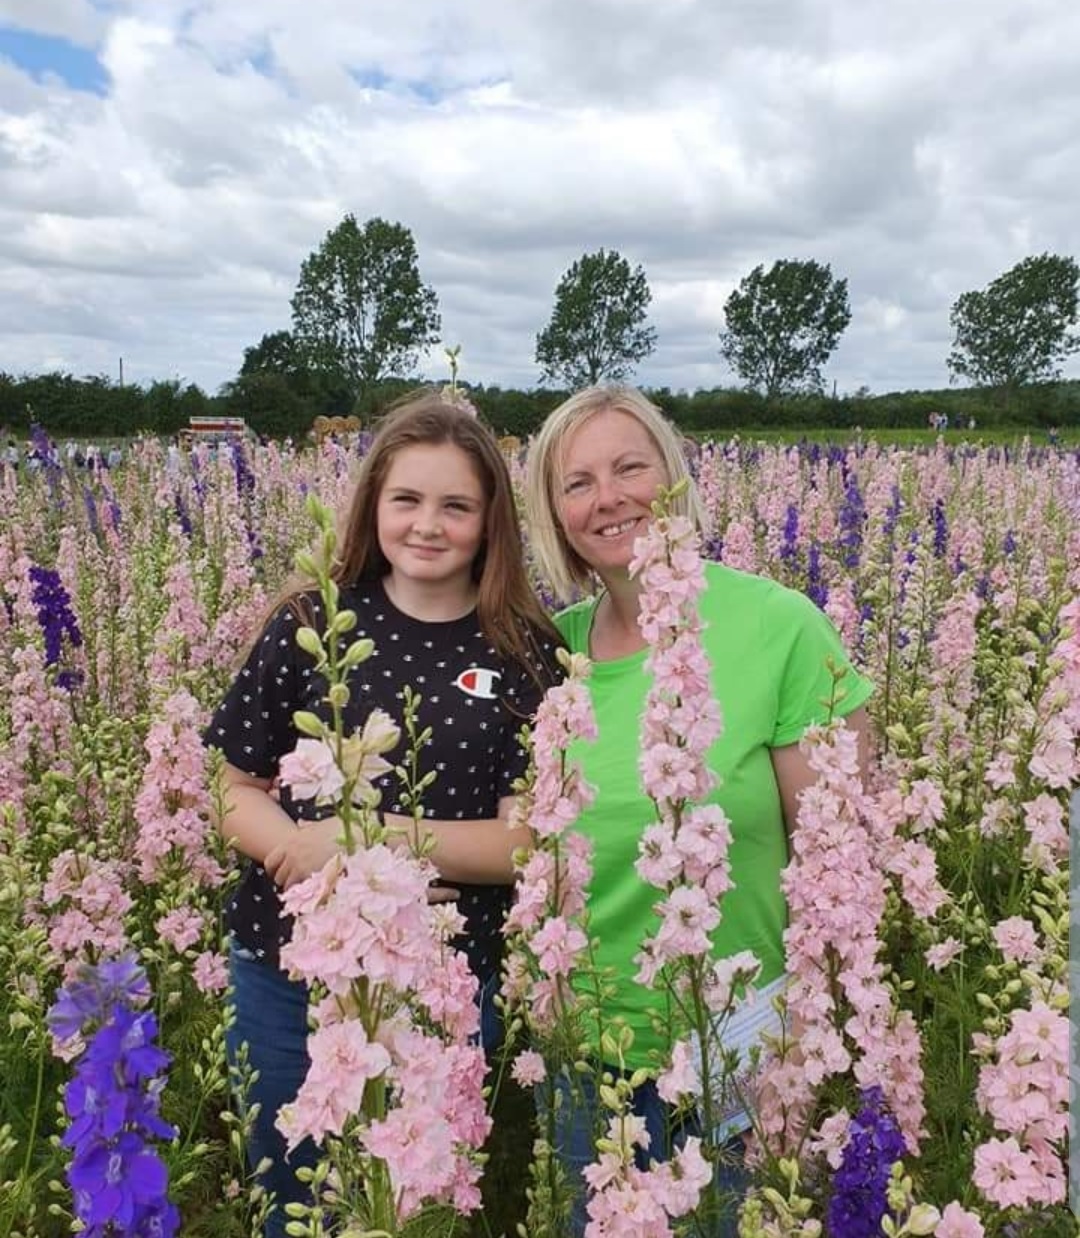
[(768, 646)]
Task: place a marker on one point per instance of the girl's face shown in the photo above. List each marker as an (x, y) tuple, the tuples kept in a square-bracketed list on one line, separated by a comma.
[(430, 517), (611, 472)]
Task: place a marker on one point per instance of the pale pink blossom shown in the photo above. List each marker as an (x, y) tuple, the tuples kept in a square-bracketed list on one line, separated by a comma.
[(311, 772), (680, 1078), (181, 928), (528, 1068), (942, 953), (1017, 939), (210, 971), (957, 1222), (1005, 1173)]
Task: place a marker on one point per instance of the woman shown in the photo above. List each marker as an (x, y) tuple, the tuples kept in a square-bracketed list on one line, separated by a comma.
[(593, 471), (431, 562)]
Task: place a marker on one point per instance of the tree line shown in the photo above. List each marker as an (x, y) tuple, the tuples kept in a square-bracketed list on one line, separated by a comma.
[(361, 318)]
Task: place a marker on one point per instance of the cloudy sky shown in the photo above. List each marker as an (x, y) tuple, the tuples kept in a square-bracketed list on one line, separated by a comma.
[(166, 166)]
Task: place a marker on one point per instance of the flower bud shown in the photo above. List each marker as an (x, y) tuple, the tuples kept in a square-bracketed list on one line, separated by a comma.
[(309, 641), (308, 723)]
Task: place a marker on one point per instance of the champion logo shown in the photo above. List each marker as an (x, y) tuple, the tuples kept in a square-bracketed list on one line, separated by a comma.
[(478, 681)]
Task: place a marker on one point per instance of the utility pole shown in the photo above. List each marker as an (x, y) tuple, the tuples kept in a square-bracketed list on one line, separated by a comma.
[(121, 371)]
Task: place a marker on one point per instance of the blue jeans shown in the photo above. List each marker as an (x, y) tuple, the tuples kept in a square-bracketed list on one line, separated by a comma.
[(576, 1121), (271, 1019)]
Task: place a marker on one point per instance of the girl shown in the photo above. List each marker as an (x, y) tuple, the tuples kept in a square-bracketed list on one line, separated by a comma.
[(431, 562)]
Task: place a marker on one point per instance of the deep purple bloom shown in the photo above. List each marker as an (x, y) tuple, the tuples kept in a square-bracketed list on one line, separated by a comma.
[(789, 546), (245, 478), (118, 1181), (182, 514), (816, 589), (89, 999), (1008, 545), (875, 1144), (892, 512), (54, 612), (852, 520), (122, 1184), (941, 529)]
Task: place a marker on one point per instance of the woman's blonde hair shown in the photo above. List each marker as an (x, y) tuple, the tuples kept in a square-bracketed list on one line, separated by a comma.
[(561, 566)]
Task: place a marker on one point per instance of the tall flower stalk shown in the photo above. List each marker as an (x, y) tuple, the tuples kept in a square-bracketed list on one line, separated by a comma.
[(394, 1090), (118, 1180)]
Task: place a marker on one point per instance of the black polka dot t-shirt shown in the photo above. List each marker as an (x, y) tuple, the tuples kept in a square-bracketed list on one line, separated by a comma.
[(474, 701)]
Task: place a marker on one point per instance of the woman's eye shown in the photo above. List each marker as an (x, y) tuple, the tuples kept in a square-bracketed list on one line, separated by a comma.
[(577, 486)]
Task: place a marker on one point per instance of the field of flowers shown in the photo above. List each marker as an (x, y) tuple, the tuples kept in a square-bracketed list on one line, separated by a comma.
[(928, 954)]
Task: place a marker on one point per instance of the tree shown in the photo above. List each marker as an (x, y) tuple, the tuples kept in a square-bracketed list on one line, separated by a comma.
[(597, 328), (783, 325), (360, 311), (276, 353), (1016, 330)]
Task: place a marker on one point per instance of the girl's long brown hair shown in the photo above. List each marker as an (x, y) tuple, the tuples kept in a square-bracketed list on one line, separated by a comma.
[(507, 607)]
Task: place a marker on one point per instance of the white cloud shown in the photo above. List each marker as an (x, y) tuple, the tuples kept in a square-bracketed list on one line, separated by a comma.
[(919, 150)]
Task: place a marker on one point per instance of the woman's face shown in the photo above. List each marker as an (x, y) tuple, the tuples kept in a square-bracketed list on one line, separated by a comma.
[(611, 471)]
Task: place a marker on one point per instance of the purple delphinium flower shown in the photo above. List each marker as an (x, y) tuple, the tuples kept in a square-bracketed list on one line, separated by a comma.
[(90, 503), (852, 520), (859, 1199), (789, 546), (816, 589), (892, 512), (54, 612), (118, 1181), (245, 478), (1008, 545), (941, 529), (182, 514)]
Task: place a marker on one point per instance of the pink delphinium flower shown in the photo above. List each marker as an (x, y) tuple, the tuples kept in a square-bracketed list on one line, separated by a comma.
[(342, 1062), (528, 1068), (210, 971), (942, 953), (836, 891), (1005, 1173), (311, 772), (1016, 939), (181, 928), (173, 804), (957, 1222), (546, 941)]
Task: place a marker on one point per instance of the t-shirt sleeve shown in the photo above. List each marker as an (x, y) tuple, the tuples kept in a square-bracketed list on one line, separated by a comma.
[(253, 725), (811, 651), (527, 697)]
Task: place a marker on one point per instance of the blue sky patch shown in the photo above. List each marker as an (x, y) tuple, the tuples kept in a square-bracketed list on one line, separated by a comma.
[(40, 55), (376, 79)]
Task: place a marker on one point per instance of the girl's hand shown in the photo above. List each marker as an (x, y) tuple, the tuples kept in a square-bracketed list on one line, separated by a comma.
[(305, 851)]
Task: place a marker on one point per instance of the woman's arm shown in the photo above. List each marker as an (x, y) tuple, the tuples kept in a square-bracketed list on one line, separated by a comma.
[(793, 772), (477, 852)]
